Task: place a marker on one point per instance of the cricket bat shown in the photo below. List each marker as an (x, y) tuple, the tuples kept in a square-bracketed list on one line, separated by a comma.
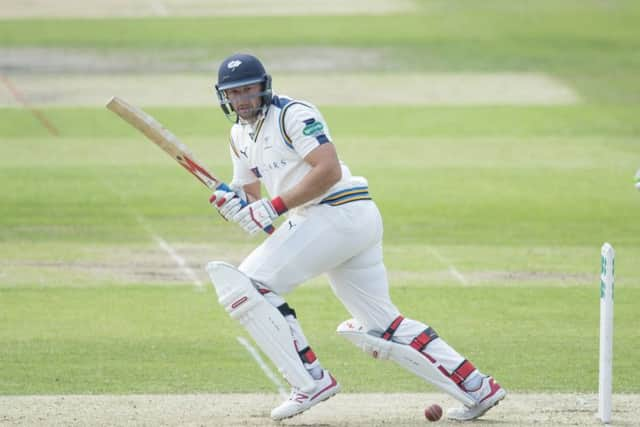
[(170, 144)]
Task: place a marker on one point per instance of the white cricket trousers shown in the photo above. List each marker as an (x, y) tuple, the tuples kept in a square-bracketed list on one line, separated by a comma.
[(345, 242)]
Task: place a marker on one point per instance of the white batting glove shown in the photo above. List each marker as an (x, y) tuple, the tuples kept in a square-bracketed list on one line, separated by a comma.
[(260, 214), (228, 203)]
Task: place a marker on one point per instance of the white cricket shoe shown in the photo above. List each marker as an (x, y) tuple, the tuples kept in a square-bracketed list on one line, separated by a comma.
[(299, 402), (488, 395)]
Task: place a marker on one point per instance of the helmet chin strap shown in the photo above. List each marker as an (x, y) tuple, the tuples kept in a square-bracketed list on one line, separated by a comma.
[(233, 116)]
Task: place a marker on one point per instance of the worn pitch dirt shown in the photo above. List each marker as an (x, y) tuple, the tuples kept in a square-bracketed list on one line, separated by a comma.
[(345, 409)]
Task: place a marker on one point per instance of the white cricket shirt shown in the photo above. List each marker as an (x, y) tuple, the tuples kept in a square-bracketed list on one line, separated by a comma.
[(274, 150)]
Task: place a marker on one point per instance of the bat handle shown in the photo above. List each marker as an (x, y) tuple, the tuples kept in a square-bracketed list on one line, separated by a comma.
[(269, 229)]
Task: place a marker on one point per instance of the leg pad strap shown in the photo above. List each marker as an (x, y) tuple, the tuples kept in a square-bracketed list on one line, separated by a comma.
[(265, 323), (406, 356)]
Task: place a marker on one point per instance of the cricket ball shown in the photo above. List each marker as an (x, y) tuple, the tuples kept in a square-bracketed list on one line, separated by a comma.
[(433, 412)]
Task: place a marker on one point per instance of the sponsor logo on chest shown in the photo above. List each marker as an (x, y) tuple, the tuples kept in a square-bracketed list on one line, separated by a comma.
[(269, 166)]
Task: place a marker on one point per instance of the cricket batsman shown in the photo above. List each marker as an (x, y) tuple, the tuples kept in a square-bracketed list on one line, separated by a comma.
[(332, 227)]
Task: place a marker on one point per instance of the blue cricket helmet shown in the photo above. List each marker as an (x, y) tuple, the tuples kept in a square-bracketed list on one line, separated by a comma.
[(239, 70)]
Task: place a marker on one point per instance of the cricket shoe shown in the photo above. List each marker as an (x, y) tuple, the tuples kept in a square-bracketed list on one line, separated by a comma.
[(298, 402), (488, 395)]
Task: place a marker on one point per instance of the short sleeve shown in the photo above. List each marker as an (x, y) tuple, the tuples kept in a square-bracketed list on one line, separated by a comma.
[(242, 174), (304, 128)]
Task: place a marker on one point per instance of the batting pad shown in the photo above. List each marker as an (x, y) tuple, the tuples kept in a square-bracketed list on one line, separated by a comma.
[(264, 322), (406, 356)]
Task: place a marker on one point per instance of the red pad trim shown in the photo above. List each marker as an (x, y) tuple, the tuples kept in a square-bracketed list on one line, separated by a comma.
[(279, 205), (421, 341), (307, 355), (310, 356), (392, 328), (462, 372), (443, 370)]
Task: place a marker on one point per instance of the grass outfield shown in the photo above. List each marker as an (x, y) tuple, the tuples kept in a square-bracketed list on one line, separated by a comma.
[(515, 200), (521, 217), (174, 340)]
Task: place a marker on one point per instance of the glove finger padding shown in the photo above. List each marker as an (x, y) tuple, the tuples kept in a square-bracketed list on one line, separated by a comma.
[(246, 220), (250, 226), (256, 216), (230, 208), (226, 202)]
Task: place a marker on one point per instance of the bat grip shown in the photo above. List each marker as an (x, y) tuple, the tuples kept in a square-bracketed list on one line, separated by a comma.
[(269, 229)]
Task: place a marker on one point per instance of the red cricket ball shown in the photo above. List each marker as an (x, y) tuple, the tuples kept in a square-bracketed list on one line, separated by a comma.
[(433, 412)]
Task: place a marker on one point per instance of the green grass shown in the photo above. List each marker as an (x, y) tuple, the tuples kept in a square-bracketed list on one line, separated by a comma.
[(591, 44), (518, 199), (527, 213), (378, 121), (171, 340), (490, 190), (534, 27)]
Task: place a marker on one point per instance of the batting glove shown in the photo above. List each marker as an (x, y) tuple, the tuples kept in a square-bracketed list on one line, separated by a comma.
[(228, 203), (260, 214)]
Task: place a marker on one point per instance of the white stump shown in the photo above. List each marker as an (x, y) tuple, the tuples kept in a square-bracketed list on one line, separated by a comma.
[(606, 332)]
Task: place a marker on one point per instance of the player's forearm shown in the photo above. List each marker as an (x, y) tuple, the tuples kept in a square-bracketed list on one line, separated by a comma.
[(252, 191), (320, 179), (260, 214)]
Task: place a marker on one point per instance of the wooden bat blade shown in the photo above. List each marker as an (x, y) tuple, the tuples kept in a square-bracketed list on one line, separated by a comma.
[(163, 138), (169, 144)]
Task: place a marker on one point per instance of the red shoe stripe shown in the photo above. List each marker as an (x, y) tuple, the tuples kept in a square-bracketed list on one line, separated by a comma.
[(333, 384), (494, 389)]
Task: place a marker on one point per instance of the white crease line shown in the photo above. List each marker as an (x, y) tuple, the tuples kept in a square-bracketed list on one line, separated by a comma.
[(159, 240), (159, 8), (265, 368), (178, 259), (188, 271), (452, 269)]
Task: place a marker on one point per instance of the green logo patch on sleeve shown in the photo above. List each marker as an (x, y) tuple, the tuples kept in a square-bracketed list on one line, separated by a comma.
[(313, 128)]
